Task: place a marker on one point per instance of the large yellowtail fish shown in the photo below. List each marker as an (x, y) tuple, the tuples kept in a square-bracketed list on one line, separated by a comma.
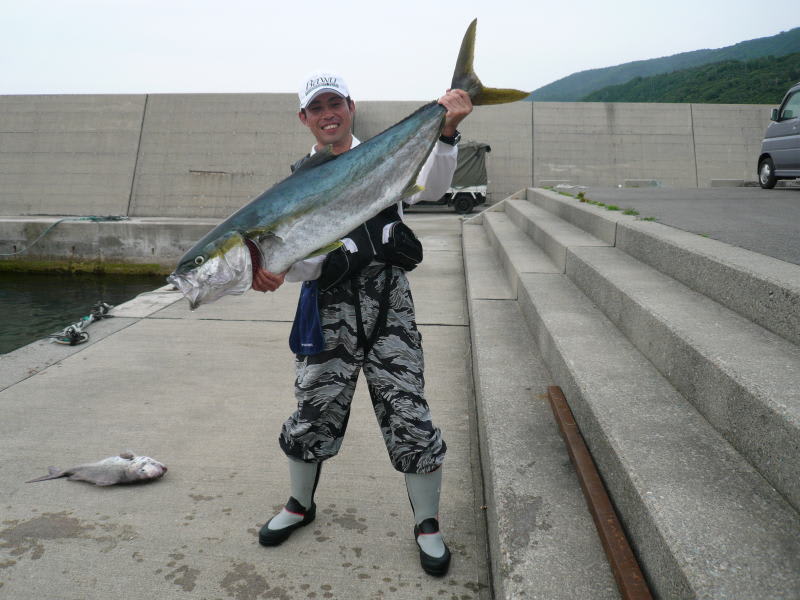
[(326, 198)]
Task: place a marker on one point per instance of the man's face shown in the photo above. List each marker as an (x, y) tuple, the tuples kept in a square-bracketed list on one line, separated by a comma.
[(330, 119)]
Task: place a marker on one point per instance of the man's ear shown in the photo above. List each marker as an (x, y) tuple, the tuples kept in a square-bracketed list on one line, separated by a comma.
[(351, 104), (302, 116)]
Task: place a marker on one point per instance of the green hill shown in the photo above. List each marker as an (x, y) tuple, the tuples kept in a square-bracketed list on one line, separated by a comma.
[(578, 85), (758, 81)]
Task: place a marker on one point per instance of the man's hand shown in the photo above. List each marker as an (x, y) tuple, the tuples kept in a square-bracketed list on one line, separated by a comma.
[(458, 105), (265, 281)]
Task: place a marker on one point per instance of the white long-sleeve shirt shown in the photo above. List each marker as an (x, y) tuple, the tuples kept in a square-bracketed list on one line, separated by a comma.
[(434, 177)]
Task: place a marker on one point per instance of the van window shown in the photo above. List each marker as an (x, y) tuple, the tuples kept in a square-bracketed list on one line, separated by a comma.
[(791, 109)]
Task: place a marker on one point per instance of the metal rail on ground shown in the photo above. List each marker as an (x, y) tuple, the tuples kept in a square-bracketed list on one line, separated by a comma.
[(628, 575)]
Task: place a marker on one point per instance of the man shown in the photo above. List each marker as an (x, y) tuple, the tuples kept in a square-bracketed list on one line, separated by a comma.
[(375, 299)]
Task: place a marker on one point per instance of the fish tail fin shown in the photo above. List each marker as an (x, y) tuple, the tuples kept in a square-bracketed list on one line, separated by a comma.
[(55, 473), (464, 77)]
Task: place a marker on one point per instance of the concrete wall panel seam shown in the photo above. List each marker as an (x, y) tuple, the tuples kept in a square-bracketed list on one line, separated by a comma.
[(136, 158), (533, 148), (694, 144)]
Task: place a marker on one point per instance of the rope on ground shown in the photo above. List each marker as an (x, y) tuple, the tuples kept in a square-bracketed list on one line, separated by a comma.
[(74, 334), (46, 231)]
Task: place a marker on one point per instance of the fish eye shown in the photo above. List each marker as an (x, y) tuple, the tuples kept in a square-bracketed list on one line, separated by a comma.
[(199, 260)]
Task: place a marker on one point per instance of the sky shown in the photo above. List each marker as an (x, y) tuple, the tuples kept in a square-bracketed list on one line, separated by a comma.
[(400, 50)]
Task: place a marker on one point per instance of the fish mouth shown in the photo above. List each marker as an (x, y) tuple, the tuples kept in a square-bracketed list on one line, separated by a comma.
[(186, 287), (230, 272)]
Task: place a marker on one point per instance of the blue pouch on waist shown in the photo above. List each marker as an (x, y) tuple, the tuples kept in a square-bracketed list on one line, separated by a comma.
[(306, 336)]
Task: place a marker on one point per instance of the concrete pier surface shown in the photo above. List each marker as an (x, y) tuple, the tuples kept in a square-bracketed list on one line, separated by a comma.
[(206, 392), (764, 221)]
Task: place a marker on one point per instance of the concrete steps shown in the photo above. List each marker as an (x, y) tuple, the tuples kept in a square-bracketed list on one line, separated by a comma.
[(518, 254), (686, 393), (763, 289), (541, 537), (741, 377)]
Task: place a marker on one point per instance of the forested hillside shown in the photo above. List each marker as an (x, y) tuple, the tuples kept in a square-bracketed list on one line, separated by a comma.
[(578, 85), (759, 81)]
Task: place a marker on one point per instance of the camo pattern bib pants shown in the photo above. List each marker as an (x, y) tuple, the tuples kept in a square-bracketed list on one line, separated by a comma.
[(393, 368)]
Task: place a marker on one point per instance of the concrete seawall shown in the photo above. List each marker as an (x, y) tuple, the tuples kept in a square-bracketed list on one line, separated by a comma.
[(202, 156)]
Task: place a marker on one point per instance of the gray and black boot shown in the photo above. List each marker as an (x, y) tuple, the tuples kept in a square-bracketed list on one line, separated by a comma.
[(423, 492), (300, 510)]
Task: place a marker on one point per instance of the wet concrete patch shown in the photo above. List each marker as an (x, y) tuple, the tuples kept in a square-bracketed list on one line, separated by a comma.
[(347, 519), (243, 582), (25, 538), (184, 577), (201, 497), (525, 514)]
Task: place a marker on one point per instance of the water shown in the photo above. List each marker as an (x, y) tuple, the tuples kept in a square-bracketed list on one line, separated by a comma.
[(34, 305)]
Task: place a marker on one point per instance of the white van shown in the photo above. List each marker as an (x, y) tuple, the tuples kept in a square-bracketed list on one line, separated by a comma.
[(780, 149)]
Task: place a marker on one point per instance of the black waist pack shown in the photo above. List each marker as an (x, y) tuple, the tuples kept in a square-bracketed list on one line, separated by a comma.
[(389, 241), (343, 264), (401, 247)]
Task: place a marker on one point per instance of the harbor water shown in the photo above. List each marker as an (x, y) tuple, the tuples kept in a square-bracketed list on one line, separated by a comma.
[(35, 305)]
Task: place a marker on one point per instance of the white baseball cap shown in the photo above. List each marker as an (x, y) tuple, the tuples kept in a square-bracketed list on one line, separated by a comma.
[(319, 82)]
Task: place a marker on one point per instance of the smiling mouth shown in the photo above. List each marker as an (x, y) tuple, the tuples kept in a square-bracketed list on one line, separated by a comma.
[(331, 126)]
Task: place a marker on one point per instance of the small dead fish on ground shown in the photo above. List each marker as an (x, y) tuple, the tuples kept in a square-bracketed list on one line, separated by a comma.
[(125, 468)]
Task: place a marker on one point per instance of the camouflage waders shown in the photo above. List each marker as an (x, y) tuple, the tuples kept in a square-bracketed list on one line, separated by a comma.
[(393, 367)]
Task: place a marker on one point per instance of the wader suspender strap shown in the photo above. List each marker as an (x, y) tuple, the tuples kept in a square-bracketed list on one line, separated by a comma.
[(383, 311)]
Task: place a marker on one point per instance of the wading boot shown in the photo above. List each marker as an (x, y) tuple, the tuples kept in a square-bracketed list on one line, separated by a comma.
[(423, 492), (300, 510)]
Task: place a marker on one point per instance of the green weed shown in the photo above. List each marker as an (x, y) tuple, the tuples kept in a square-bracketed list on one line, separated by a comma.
[(20, 265)]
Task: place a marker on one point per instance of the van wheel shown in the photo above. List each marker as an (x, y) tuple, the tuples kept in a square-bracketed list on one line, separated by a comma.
[(463, 204), (766, 174)]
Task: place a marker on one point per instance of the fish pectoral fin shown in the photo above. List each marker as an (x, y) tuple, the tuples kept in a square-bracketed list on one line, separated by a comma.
[(326, 249), (316, 159), (272, 233), (411, 189)]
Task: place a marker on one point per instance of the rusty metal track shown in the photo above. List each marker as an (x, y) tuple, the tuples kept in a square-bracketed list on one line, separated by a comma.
[(631, 582)]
